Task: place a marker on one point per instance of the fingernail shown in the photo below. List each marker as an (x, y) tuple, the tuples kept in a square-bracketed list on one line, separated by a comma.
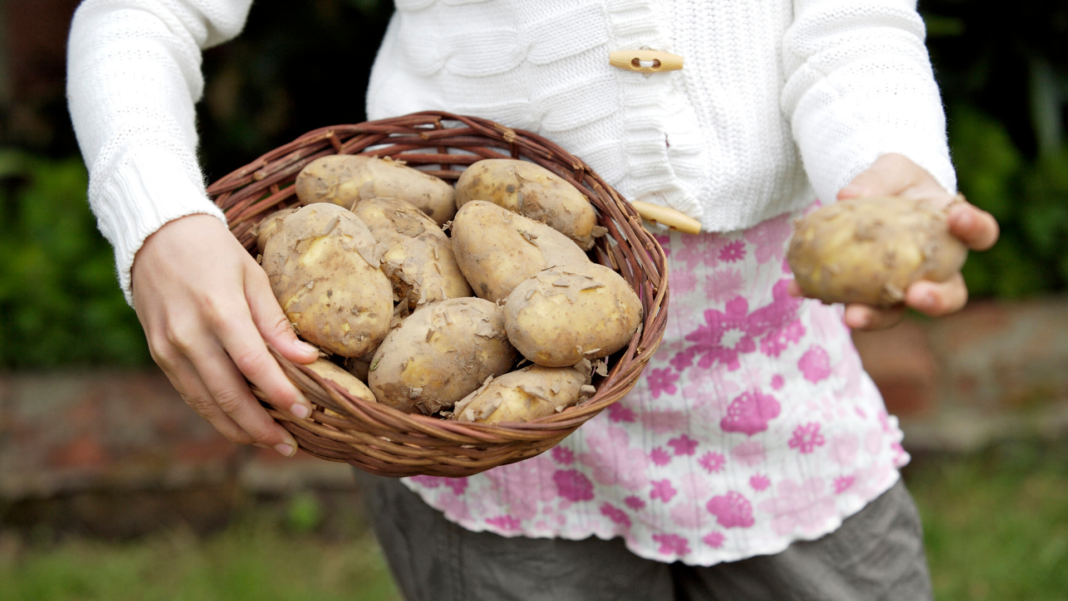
[(307, 348), (300, 411), (285, 450), (927, 301)]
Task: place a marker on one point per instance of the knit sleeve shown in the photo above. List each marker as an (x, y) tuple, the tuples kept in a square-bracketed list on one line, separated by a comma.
[(133, 77), (859, 84)]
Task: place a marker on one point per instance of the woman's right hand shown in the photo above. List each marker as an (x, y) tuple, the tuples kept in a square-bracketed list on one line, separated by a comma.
[(207, 308)]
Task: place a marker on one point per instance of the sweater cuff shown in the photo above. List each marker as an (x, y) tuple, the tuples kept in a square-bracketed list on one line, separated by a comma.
[(140, 196)]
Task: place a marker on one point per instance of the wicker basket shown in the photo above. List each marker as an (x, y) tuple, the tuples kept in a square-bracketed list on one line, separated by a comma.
[(388, 442)]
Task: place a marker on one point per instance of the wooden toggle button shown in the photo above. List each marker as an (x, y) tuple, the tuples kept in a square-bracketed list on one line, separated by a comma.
[(645, 61), (668, 217)]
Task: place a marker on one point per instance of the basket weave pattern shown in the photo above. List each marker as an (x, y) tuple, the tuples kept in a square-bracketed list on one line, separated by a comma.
[(388, 442)]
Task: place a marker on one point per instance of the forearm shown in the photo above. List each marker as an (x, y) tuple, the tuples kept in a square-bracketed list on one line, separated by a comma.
[(133, 79), (860, 86)]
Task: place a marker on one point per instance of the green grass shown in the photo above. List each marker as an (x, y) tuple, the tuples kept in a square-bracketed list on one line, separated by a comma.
[(248, 562), (996, 523)]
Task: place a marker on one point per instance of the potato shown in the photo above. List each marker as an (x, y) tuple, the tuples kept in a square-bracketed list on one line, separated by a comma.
[(440, 354), (563, 315), (532, 191), (322, 269), (326, 370), (361, 366), (870, 250), (418, 257), (344, 179), (269, 225), (526, 394), (497, 249)]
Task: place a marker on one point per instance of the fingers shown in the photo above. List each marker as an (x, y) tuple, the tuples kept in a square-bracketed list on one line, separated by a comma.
[(187, 381), (861, 317), (271, 322), (973, 226), (938, 298), (887, 175), (934, 299), (896, 175), (794, 289), (192, 390), (242, 342), (230, 393), (866, 317)]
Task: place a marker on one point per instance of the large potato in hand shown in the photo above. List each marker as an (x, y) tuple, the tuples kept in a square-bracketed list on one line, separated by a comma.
[(526, 394), (417, 257), (870, 250), (440, 354), (323, 272), (566, 314), (532, 191), (497, 249), (344, 179)]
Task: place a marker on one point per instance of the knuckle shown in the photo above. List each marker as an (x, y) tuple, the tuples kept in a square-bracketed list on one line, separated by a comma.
[(263, 432), (239, 437), (178, 336), (251, 362), (204, 407), (230, 401), (278, 325), (218, 314)]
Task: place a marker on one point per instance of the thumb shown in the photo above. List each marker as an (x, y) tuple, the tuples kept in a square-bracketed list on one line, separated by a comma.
[(271, 321)]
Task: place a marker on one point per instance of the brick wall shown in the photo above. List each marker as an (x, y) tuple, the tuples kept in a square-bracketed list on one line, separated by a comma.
[(956, 383)]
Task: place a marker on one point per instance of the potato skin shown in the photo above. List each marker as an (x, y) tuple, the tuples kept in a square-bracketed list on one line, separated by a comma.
[(525, 395), (440, 354), (497, 249), (361, 366), (417, 256), (322, 270), (563, 315), (345, 179), (532, 191), (870, 250), (269, 225), (326, 370)]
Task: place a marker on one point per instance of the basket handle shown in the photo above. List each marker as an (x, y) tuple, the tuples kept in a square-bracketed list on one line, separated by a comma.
[(667, 217)]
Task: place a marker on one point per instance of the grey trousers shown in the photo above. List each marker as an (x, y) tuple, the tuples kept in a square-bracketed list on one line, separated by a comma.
[(876, 554)]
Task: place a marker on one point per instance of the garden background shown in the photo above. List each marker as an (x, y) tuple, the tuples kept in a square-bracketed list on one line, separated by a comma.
[(111, 489)]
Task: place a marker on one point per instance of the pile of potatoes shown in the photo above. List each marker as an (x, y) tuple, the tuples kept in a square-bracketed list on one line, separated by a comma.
[(505, 320)]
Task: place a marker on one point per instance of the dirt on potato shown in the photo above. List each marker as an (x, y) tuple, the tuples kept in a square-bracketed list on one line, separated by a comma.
[(534, 192)]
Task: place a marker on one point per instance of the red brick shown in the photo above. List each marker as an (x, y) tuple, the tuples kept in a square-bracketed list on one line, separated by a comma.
[(84, 452), (900, 362)]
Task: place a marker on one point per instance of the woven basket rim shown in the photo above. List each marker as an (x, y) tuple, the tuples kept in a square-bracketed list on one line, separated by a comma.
[(389, 441)]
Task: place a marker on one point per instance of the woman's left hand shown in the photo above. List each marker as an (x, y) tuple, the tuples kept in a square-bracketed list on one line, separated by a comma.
[(895, 175)]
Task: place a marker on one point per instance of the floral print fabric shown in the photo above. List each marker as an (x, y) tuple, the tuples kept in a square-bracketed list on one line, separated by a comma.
[(752, 426)]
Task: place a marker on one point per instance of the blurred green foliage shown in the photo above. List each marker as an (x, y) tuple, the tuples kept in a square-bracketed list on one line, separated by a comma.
[(1028, 197), (1003, 72), (58, 294)]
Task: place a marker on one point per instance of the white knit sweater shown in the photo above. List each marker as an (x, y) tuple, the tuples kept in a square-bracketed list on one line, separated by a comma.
[(778, 101)]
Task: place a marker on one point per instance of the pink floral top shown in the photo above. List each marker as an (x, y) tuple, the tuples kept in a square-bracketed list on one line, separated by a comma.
[(753, 426)]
